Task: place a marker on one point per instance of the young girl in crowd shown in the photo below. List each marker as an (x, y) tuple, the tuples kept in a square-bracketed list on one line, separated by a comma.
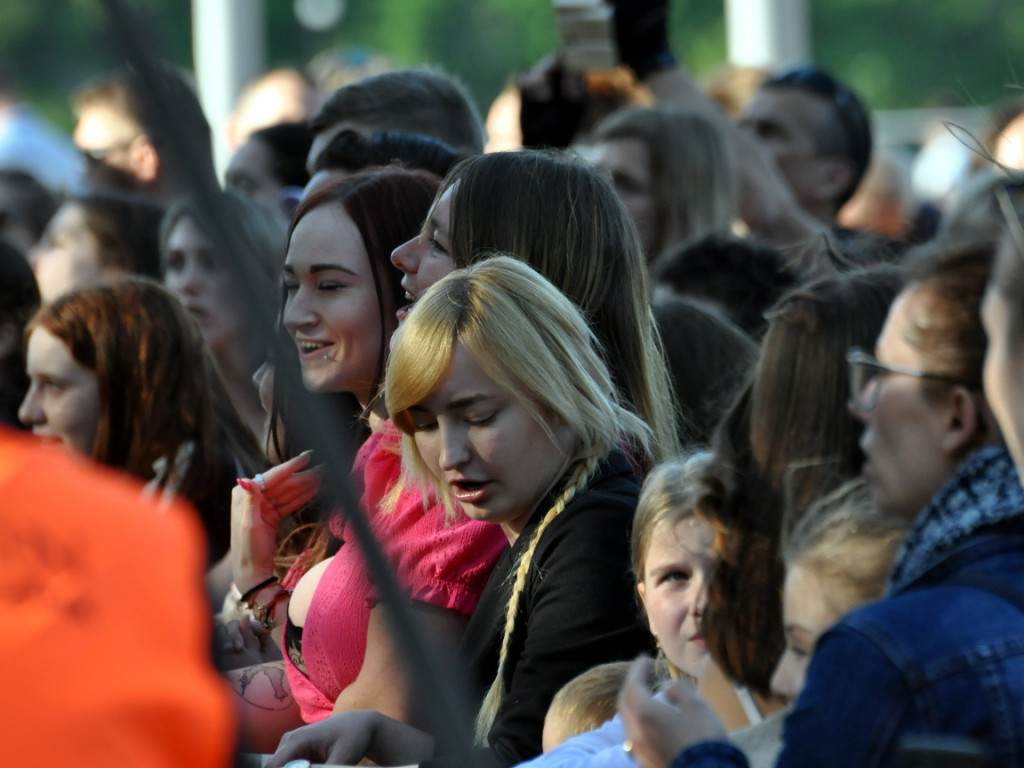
[(341, 293), (584, 231), (935, 456), (672, 563), (121, 373), (506, 407), (674, 171), (837, 559)]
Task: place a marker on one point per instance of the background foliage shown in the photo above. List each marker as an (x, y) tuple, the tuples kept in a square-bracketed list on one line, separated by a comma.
[(904, 54)]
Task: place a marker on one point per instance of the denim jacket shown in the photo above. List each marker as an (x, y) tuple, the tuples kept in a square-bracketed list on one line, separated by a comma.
[(935, 656)]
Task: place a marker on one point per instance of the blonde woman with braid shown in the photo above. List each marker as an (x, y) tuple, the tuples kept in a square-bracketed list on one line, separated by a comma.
[(507, 409)]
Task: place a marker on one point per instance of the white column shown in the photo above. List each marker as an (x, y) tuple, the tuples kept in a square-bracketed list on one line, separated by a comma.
[(228, 48), (768, 33)]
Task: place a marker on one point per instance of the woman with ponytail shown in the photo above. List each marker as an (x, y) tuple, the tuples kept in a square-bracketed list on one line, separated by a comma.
[(507, 410)]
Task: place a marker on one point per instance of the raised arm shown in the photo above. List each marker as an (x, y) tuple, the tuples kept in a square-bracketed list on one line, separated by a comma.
[(256, 512), (767, 206)]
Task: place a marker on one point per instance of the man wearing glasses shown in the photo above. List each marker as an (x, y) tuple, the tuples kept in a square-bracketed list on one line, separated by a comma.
[(120, 152)]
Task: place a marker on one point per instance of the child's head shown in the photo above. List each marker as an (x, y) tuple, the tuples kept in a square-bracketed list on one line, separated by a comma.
[(672, 556), (837, 559), (584, 703)]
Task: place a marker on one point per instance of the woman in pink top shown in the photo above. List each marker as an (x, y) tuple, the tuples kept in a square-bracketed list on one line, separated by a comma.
[(340, 297)]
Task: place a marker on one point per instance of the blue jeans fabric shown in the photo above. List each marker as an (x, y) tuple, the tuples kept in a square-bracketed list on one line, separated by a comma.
[(943, 659), (934, 657)]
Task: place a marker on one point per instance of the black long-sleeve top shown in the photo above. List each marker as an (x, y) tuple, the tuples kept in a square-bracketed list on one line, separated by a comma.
[(578, 609)]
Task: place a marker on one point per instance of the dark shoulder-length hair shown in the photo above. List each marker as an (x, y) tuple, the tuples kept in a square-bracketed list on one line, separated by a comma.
[(388, 206), (799, 416)]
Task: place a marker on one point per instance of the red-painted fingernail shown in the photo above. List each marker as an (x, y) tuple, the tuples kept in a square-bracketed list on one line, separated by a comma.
[(244, 484)]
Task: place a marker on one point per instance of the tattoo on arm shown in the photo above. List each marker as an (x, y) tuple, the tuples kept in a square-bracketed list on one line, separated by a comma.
[(264, 686)]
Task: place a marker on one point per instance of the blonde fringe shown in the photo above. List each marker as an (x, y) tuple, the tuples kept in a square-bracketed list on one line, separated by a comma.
[(489, 709)]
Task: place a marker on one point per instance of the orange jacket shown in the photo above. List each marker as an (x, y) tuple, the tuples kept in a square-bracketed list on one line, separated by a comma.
[(105, 653)]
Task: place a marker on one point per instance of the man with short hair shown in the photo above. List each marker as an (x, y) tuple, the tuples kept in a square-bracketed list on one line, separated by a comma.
[(418, 100), (817, 131), (115, 131)]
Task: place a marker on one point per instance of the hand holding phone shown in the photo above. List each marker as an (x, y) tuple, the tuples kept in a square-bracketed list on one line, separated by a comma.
[(586, 30)]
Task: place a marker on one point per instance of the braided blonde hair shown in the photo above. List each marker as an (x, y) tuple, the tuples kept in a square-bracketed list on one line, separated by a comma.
[(581, 475), (533, 342)]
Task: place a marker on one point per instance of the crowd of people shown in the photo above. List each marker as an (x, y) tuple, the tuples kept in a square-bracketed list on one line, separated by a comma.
[(668, 379)]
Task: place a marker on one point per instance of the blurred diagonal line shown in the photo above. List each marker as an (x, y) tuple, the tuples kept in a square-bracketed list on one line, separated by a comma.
[(446, 704)]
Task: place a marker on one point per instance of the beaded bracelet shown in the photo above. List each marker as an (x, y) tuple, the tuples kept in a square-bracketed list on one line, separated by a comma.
[(264, 614), (250, 593)]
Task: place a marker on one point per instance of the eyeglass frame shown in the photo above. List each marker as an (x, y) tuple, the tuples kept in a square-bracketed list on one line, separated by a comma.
[(857, 357), (101, 155)]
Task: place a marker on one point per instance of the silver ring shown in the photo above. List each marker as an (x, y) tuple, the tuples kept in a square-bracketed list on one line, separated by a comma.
[(298, 764), (261, 482)]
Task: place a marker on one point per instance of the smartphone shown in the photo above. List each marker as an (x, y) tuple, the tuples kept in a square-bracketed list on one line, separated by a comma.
[(586, 29), (935, 751)]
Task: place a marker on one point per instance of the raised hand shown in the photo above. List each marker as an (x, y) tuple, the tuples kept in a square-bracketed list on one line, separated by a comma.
[(657, 731), (257, 507), (641, 35)]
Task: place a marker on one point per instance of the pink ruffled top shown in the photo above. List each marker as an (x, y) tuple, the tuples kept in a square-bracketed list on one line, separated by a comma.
[(443, 564)]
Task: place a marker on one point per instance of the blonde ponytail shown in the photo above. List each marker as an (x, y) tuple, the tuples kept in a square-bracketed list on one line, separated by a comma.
[(492, 701)]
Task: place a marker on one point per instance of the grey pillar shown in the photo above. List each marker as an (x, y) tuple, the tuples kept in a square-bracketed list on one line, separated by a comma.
[(228, 48), (768, 33)]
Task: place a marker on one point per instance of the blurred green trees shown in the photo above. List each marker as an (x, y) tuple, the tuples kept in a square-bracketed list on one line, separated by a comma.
[(901, 54)]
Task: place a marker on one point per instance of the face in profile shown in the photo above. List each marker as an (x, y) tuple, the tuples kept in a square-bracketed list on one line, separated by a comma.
[(68, 255), (486, 446), (206, 291), (251, 172), (677, 566), (1004, 366), (331, 308), (62, 403), (806, 616), (786, 122), (427, 257), (627, 163), (907, 458)]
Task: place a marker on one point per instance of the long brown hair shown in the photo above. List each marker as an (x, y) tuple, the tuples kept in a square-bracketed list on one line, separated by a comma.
[(388, 206), (787, 438), (159, 393), (564, 219)]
